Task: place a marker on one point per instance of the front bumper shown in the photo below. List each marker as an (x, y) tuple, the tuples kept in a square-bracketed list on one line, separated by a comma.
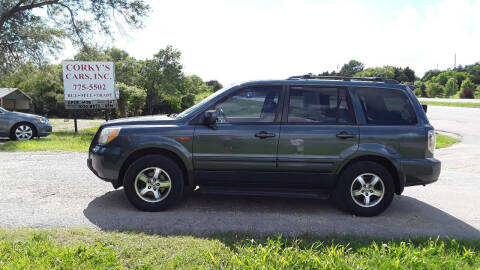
[(421, 171), (102, 162), (44, 130)]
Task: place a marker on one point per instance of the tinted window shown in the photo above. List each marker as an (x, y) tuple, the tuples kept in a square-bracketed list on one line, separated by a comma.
[(319, 105), (386, 106), (257, 104)]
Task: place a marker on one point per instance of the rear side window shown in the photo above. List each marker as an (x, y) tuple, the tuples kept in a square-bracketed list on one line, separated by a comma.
[(319, 105), (386, 106)]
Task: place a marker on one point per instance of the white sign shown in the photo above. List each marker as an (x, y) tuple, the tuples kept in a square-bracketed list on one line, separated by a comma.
[(88, 81)]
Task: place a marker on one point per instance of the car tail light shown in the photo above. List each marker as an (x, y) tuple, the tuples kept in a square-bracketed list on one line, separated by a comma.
[(432, 140)]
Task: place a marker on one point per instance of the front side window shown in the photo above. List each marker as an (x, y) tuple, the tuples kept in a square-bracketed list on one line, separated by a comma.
[(386, 106), (319, 105), (250, 105)]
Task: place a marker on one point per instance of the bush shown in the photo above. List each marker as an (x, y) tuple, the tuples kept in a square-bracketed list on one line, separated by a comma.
[(417, 92), (451, 88), (434, 89), (467, 89), (467, 93)]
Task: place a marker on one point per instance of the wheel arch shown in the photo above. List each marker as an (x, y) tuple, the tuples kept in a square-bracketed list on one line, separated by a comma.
[(154, 151), (13, 127), (398, 177)]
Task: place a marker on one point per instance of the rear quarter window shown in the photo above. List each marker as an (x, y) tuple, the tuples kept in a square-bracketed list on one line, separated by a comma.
[(383, 106)]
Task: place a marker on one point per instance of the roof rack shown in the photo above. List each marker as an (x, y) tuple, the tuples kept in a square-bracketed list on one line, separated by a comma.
[(343, 78)]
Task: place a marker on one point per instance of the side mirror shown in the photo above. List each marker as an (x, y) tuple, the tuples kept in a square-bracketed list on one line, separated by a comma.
[(210, 117), (425, 107)]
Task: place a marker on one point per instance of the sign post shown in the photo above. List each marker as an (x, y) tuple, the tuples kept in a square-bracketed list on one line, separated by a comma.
[(88, 86)]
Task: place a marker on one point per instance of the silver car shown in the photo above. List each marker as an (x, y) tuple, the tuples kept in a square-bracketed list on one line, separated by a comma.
[(23, 126)]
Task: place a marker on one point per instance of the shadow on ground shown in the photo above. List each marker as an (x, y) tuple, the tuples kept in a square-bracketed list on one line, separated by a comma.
[(201, 214)]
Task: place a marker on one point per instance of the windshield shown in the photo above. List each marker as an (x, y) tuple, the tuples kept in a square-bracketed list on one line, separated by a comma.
[(3, 110), (202, 102)]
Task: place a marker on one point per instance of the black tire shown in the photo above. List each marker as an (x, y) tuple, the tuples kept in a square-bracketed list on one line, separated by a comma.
[(167, 165), (343, 194), (14, 128)]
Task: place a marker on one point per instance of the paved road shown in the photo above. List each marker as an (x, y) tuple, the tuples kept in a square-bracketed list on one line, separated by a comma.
[(46, 189)]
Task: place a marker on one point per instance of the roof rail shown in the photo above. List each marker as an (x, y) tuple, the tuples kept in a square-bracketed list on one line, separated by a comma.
[(343, 78)]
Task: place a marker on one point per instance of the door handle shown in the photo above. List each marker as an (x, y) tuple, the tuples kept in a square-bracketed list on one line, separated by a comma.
[(345, 135), (264, 134)]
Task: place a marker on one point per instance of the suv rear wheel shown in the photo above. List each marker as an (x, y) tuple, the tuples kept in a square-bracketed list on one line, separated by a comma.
[(153, 183), (365, 188)]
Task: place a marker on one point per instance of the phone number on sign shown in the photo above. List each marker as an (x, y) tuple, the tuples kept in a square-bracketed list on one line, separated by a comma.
[(89, 87)]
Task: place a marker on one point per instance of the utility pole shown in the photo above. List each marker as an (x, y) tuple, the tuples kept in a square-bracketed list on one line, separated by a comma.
[(454, 69), (454, 61)]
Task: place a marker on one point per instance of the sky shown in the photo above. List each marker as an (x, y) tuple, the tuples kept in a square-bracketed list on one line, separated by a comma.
[(235, 41)]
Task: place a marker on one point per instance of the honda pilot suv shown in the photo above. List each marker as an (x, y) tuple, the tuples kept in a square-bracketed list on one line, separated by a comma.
[(357, 140)]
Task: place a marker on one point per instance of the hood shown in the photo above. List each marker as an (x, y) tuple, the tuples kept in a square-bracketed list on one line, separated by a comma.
[(141, 120), (24, 115)]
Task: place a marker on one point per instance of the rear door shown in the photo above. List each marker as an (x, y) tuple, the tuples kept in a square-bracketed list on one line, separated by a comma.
[(318, 131), (244, 140), (390, 122)]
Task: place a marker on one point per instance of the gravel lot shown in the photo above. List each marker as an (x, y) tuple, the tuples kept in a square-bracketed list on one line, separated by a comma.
[(47, 189)]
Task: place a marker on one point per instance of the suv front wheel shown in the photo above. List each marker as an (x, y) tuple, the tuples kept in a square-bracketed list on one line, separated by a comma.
[(153, 183), (365, 188)]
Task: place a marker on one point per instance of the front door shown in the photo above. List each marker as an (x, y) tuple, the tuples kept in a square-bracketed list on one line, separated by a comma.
[(317, 133), (4, 124), (243, 141)]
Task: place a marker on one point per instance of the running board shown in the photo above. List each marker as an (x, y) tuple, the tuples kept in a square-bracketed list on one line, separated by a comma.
[(263, 192)]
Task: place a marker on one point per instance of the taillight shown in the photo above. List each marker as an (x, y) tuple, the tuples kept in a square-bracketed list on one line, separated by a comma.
[(432, 140)]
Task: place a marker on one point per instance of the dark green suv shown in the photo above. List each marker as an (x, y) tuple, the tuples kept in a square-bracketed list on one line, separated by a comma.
[(358, 140)]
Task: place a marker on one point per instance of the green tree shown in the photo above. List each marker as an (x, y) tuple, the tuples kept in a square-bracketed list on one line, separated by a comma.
[(434, 89), (443, 77), (467, 84), (131, 101), (215, 85), (127, 69), (451, 88), (45, 87), (477, 92), (352, 67), (467, 90), (417, 92), (26, 36), (430, 74), (162, 77), (421, 86)]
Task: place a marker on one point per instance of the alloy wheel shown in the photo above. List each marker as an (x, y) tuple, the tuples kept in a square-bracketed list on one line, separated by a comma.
[(367, 190), (23, 132), (153, 184)]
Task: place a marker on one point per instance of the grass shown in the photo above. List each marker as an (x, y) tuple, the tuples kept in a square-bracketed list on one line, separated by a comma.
[(452, 104), (445, 141), (93, 249), (57, 141)]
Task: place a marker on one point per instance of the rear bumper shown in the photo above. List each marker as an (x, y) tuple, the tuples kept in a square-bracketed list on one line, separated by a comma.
[(421, 171)]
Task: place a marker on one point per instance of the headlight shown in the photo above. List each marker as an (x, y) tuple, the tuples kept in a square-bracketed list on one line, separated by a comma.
[(107, 135), (42, 120)]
